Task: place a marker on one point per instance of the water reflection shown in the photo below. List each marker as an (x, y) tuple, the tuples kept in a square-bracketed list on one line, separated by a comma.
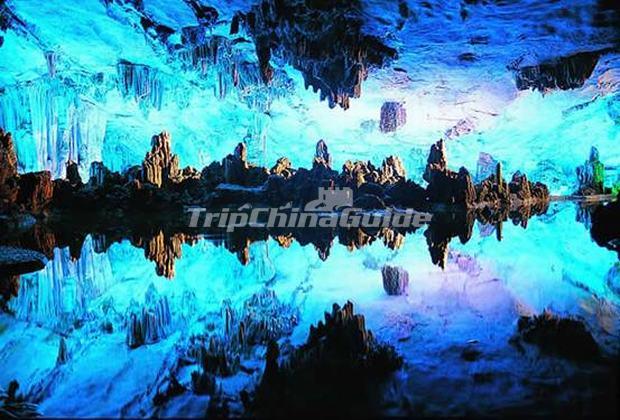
[(468, 306)]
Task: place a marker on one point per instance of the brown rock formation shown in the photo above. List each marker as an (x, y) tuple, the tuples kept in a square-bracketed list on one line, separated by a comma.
[(8, 171), (8, 157), (35, 191), (283, 168), (163, 249), (160, 167), (392, 171)]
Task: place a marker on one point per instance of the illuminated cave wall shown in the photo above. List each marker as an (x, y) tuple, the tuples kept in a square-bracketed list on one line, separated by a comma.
[(94, 80)]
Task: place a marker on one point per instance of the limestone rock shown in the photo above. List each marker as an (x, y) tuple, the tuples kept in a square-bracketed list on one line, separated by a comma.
[(332, 371), (392, 171), (15, 261), (99, 174), (437, 160), (36, 190), (564, 73), (8, 157), (283, 168), (160, 167)]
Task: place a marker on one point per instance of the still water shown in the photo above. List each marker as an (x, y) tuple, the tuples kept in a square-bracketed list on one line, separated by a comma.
[(454, 326)]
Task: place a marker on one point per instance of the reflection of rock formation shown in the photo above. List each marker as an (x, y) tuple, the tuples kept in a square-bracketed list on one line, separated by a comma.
[(151, 323), (442, 229), (606, 226), (393, 116), (162, 240), (9, 288), (61, 291), (163, 249), (395, 280), (334, 372), (562, 73), (566, 337), (323, 41), (14, 405), (265, 318)]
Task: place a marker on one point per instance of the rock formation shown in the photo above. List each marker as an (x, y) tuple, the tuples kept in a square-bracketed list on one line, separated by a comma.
[(446, 186), (151, 323), (606, 226), (63, 353), (8, 158), (333, 60), (73, 175), (562, 73), (591, 175), (15, 261), (393, 116), (36, 191), (265, 318), (13, 405), (566, 337), (335, 371), (395, 280), (160, 167)]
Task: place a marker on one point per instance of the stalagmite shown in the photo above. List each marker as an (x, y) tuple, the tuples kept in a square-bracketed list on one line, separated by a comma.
[(160, 167)]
